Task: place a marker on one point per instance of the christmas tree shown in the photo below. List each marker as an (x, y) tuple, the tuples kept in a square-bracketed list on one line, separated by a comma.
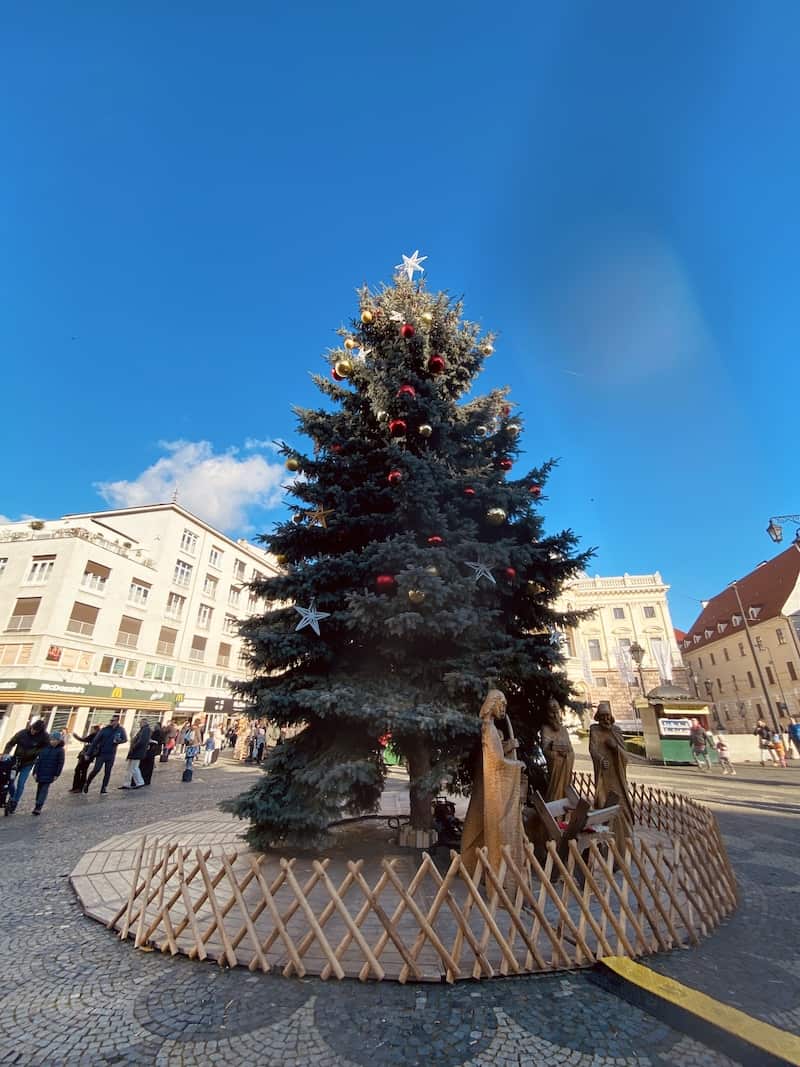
[(416, 574)]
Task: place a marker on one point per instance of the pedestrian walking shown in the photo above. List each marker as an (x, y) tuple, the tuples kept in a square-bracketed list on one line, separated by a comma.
[(27, 744), (261, 743), (104, 751), (764, 735), (699, 743), (83, 764), (136, 753), (148, 762), (49, 765), (724, 757), (208, 748), (794, 734), (191, 749), (779, 749)]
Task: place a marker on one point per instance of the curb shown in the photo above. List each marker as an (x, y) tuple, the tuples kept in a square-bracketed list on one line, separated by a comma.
[(749, 1041)]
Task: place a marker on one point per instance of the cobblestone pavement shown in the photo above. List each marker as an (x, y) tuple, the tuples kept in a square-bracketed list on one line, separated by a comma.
[(73, 994)]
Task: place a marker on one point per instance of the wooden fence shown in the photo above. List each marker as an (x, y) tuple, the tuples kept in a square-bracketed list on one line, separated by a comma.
[(672, 885)]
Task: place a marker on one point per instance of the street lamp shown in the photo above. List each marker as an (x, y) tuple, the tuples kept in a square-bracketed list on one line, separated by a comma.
[(637, 655), (775, 529)]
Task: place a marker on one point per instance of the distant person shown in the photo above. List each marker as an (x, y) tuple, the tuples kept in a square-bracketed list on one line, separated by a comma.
[(170, 740), (83, 764), (794, 734), (49, 765), (104, 751), (27, 744), (764, 735), (191, 749), (136, 753), (779, 750), (148, 762), (699, 744), (208, 747), (724, 758), (261, 743)]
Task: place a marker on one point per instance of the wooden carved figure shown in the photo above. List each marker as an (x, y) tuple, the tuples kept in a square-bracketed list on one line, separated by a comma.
[(558, 752), (607, 749)]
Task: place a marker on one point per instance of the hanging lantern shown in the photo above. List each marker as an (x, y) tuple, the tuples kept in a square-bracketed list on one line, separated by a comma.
[(496, 516), (397, 428)]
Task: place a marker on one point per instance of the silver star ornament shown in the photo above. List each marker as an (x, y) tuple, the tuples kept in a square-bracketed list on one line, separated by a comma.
[(310, 617), (411, 264), (481, 571)]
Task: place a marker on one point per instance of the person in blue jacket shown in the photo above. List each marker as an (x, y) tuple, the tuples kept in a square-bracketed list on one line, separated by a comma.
[(104, 752), (49, 764), (794, 734)]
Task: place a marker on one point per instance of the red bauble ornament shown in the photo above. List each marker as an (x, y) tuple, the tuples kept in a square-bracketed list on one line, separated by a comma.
[(336, 448), (385, 583), (510, 573), (397, 428), (407, 330), (469, 491), (436, 364), (337, 377), (394, 477), (505, 464), (506, 410), (407, 390), (535, 491), (435, 541)]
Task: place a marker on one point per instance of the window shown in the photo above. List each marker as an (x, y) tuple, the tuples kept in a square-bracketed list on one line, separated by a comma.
[(224, 655), (243, 659), (233, 596), (120, 667), (82, 619), (759, 644), (210, 586), (219, 681), (758, 709), (791, 670), (138, 593), (166, 641), (713, 661), (719, 685), (41, 569), (175, 606), (73, 659), (619, 613), (741, 649), (215, 557), (725, 711), (15, 655), (770, 675), (24, 613), (252, 605), (781, 636), (3, 563), (259, 577), (128, 633), (601, 683), (189, 542), (204, 613), (700, 663), (735, 683), (95, 576), (159, 672), (231, 625), (595, 651), (649, 611), (198, 649), (190, 677), (239, 569), (750, 679), (726, 654), (183, 573)]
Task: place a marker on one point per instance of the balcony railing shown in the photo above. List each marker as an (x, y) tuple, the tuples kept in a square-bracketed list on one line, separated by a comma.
[(77, 532)]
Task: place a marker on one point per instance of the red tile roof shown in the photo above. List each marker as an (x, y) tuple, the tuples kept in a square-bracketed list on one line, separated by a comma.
[(679, 634), (767, 587)]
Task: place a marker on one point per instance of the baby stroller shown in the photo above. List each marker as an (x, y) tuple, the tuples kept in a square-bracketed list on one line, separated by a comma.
[(8, 774)]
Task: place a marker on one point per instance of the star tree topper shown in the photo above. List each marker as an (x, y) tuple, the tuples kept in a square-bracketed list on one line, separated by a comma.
[(410, 264), (481, 571), (310, 617)]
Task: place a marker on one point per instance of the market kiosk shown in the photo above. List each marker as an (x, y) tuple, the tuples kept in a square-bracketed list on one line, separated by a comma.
[(667, 722)]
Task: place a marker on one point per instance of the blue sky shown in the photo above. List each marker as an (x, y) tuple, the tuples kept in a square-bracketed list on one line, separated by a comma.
[(191, 197)]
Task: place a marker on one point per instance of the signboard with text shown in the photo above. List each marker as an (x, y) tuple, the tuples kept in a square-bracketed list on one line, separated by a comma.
[(674, 727)]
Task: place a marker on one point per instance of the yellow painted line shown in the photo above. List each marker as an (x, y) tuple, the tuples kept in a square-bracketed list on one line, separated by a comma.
[(778, 1043)]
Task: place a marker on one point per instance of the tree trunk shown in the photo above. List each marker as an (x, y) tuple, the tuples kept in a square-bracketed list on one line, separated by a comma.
[(421, 799)]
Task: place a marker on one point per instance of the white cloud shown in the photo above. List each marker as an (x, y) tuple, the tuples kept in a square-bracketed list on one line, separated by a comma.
[(219, 487)]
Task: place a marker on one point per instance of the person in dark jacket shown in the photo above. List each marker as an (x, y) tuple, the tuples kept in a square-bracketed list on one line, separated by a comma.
[(153, 749), (27, 745), (49, 764), (136, 753), (82, 766), (104, 751)]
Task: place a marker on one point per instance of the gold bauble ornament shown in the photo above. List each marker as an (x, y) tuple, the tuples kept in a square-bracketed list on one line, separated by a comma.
[(381, 416), (344, 368), (280, 559), (432, 570), (367, 316), (293, 463), (487, 349), (496, 516), (427, 317), (416, 596), (514, 429), (534, 588), (425, 430), (349, 344), (482, 431)]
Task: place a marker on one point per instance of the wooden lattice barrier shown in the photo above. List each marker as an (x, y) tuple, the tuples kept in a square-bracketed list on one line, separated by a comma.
[(672, 885)]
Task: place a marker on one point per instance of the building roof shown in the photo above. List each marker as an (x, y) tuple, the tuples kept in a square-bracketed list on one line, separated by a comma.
[(763, 593), (680, 635), (671, 694)]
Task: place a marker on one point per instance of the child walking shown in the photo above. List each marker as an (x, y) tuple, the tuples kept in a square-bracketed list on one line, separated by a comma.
[(724, 758), (778, 749)]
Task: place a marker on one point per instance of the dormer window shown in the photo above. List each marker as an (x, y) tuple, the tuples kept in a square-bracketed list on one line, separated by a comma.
[(722, 627), (736, 620), (708, 633), (696, 638), (754, 611)]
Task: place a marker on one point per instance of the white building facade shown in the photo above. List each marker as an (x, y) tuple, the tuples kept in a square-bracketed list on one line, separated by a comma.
[(627, 610), (134, 611)]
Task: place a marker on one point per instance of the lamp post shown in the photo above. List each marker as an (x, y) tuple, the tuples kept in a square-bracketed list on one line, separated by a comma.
[(775, 528), (637, 655)]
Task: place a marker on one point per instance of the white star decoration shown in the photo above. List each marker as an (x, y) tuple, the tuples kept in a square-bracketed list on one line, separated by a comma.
[(310, 617), (360, 354), (481, 571), (410, 264), (396, 316)]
